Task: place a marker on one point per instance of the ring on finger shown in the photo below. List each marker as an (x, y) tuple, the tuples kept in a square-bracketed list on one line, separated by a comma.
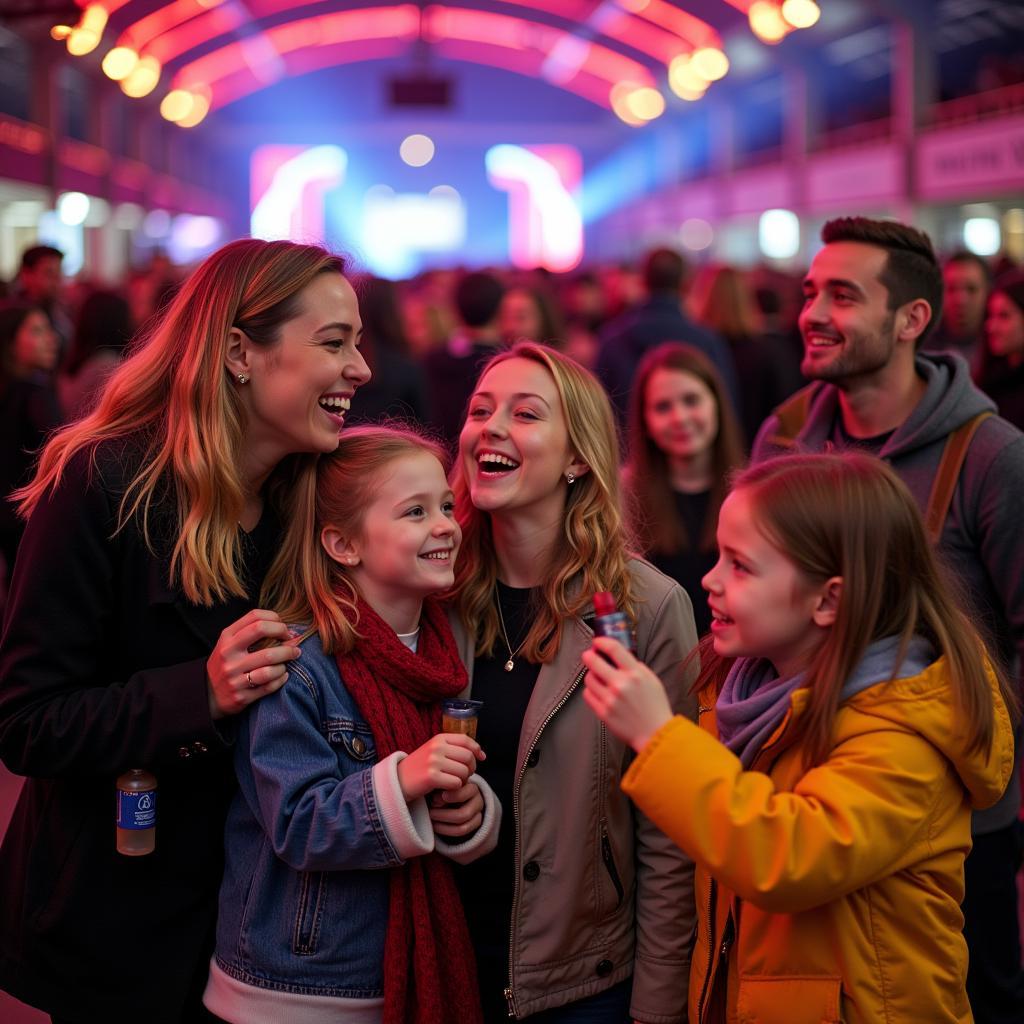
[(248, 679)]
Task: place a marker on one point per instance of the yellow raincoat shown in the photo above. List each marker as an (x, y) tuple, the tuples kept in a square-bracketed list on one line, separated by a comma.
[(830, 894)]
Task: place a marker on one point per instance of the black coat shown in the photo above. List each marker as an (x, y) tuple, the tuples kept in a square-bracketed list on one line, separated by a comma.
[(102, 669)]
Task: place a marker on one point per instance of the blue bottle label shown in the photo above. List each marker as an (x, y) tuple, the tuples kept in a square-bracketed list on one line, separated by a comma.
[(617, 627), (136, 810)]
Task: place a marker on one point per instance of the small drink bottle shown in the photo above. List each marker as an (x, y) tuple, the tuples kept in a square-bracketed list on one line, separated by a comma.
[(611, 622), (136, 813)]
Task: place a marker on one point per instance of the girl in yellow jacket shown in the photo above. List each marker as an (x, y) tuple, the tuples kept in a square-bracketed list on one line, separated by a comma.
[(849, 721)]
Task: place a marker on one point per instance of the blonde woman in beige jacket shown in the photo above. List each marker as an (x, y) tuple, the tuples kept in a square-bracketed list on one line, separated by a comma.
[(584, 912)]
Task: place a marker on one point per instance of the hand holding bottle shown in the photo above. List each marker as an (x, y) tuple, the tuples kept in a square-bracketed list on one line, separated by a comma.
[(624, 693), (445, 761)]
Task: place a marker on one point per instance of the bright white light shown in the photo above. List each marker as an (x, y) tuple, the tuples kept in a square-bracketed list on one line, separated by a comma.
[(417, 150), (156, 224), (192, 237), (293, 201), (801, 13), (696, 234), (73, 208), (982, 235), (398, 226), (545, 225), (778, 234)]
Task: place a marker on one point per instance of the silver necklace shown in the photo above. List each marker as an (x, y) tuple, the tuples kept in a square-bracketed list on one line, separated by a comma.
[(511, 663)]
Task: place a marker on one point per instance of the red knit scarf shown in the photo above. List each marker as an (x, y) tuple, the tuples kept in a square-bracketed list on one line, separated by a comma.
[(429, 967)]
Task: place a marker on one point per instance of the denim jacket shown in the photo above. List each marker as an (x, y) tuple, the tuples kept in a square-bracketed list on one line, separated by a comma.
[(304, 902)]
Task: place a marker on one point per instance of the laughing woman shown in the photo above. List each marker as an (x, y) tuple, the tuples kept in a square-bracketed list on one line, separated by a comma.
[(152, 523), (584, 912)]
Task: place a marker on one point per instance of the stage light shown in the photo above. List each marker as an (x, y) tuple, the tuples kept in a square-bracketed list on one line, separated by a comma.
[(696, 234), (417, 150), (120, 62), (778, 234), (60, 32), (73, 208), (177, 104), (982, 236), (200, 108), (801, 13), (766, 21), (710, 63), (684, 81), (143, 79), (645, 103), (86, 35)]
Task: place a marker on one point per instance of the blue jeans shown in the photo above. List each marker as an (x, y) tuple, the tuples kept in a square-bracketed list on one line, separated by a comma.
[(608, 1007)]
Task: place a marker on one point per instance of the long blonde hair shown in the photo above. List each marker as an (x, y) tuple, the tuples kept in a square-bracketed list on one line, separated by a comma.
[(595, 551), (851, 516), (305, 585), (174, 394)]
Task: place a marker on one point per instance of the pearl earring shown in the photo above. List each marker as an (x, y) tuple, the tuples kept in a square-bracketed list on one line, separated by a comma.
[(242, 379)]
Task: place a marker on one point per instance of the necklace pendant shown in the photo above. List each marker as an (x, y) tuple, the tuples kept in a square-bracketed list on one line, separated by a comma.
[(509, 665)]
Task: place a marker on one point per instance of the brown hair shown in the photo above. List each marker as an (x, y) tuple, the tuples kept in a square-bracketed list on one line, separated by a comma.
[(721, 298), (911, 268), (851, 516), (307, 586), (594, 552), (652, 504), (175, 395)]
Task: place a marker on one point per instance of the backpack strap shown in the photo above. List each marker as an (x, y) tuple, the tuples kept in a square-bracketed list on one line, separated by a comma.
[(948, 474), (791, 417)]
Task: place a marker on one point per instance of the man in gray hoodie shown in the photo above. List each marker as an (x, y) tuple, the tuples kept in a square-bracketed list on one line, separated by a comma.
[(871, 298)]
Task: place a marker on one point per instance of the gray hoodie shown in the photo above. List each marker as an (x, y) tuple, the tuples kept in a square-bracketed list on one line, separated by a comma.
[(983, 535)]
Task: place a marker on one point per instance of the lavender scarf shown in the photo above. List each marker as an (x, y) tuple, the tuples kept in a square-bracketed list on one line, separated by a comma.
[(754, 700)]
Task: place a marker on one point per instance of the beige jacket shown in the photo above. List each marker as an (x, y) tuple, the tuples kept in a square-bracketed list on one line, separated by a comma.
[(601, 893)]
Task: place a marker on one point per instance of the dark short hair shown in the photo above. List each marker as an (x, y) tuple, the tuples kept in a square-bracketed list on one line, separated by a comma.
[(477, 298), (34, 255), (664, 270), (966, 256), (911, 269)]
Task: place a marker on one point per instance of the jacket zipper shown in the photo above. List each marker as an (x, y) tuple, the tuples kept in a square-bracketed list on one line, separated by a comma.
[(510, 996), (609, 863), (712, 885)]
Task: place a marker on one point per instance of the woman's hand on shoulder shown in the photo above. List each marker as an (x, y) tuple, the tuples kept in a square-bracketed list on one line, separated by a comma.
[(445, 761), (240, 670), (457, 812), (624, 693)]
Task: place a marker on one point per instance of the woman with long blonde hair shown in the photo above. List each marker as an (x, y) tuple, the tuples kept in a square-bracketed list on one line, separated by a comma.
[(151, 525), (583, 908)]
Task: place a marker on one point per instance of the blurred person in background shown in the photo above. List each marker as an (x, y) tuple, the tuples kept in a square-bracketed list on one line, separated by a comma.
[(659, 318), (28, 407), (396, 387), (529, 313), (684, 442), (966, 279), (451, 372), (721, 298), (1000, 369), (102, 330), (39, 282)]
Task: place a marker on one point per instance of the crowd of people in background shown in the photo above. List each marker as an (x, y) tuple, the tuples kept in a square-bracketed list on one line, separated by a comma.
[(579, 422)]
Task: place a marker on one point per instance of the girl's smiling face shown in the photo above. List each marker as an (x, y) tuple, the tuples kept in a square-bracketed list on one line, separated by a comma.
[(680, 414), (762, 606)]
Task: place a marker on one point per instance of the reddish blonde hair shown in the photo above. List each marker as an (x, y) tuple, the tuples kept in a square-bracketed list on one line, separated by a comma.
[(307, 586), (851, 516)]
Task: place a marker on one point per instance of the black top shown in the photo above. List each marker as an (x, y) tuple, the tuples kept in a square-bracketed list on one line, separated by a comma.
[(1005, 386), (102, 669), (689, 566), (487, 886), (871, 445)]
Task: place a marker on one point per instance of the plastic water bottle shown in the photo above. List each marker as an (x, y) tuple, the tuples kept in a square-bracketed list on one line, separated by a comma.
[(136, 813)]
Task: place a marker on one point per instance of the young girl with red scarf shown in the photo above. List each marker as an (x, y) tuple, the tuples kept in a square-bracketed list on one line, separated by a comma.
[(337, 902)]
